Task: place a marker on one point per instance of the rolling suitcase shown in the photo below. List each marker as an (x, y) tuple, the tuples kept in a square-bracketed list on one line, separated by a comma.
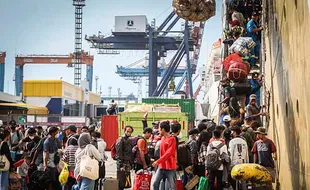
[(107, 183)]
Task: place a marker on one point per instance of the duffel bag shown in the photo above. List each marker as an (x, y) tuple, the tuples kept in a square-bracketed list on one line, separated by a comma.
[(235, 57), (242, 88), (238, 71)]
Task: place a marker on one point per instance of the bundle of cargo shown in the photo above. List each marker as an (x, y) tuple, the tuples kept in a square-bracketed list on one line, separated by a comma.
[(139, 108), (167, 108), (194, 10), (238, 71), (243, 46)]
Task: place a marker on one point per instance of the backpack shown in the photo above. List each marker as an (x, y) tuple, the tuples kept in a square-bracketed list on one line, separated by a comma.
[(135, 150), (157, 150), (39, 180), (184, 154), (214, 160), (113, 149)]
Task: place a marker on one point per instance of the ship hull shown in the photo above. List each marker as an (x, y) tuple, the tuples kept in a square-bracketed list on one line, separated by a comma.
[(286, 67)]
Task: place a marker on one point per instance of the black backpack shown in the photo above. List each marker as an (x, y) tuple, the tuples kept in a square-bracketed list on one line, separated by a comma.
[(184, 154), (39, 180)]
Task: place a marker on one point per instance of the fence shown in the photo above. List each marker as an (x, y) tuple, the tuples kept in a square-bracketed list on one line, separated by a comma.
[(44, 120)]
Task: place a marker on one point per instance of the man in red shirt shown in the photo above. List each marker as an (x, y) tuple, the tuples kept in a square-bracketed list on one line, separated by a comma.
[(167, 161)]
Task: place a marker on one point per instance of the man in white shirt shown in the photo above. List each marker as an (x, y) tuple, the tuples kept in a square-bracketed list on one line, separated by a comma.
[(238, 150), (216, 173)]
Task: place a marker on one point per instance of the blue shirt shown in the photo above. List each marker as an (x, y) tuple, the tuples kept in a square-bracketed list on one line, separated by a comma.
[(251, 25), (50, 145)]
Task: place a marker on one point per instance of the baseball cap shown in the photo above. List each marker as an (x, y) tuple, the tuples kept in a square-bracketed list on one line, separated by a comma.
[(226, 118), (255, 13), (252, 97), (248, 118)]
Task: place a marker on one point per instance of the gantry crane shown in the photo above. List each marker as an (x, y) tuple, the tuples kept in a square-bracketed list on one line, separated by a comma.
[(79, 4), (2, 70), (156, 41), (139, 69), (21, 60), (197, 36)]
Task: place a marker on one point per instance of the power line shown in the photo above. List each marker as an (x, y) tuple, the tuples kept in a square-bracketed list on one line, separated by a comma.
[(163, 12)]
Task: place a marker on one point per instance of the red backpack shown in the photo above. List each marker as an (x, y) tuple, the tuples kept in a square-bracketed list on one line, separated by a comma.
[(113, 149)]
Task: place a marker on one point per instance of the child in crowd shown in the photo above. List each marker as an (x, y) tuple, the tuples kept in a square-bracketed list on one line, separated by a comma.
[(22, 169)]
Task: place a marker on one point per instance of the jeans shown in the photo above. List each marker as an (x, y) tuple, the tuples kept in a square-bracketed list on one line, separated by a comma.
[(170, 176), (86, 184), (4, 180)]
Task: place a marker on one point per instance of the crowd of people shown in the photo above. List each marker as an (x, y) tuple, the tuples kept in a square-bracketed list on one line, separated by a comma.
[(35, 156), (161, 149)]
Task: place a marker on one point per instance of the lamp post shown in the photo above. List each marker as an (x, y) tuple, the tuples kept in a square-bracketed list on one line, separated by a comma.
[(96, 78)]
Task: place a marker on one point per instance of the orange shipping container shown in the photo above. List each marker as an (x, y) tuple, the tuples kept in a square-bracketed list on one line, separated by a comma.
[(109, 129)]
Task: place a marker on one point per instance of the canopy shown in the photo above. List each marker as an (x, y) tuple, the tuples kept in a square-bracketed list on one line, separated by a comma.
[(31, 108)]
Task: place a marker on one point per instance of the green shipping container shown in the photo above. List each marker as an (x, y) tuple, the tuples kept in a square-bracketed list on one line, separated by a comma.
[(187, 105), (134, 119)]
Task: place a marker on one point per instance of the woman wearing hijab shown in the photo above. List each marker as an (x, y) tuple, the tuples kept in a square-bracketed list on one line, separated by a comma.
[(5, 150), (85, 147)]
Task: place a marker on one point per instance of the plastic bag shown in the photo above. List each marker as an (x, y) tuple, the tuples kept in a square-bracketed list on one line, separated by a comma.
[(143, 180), (203, 183), (64, 174)]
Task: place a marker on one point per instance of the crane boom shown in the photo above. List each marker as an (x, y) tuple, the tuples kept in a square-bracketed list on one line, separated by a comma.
[(53, 59), (21, 60)]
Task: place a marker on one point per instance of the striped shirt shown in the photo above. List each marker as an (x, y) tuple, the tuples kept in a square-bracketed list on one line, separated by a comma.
[(69, 156)]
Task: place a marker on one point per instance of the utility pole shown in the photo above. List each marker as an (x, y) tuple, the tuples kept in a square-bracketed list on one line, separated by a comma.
[(96, 78), (110, 91)]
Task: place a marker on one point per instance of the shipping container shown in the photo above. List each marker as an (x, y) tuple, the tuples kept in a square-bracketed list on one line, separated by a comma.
[(135, 120), (187, 105), (109, 129)]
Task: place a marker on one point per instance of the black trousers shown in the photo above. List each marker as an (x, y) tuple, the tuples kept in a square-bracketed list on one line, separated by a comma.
[(121, 176), (101, 174), (218, 174)]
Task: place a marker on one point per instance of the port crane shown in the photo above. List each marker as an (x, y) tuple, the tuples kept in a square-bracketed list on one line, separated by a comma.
[(2, 70), (157, 42), (21, 60)]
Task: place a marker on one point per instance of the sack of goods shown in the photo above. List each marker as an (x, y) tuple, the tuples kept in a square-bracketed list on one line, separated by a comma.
[(242, 45), (194, 10), (232, 58), (242, 88), (238, 71)]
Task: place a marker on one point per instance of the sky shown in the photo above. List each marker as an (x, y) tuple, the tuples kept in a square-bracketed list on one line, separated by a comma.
[(47, 27)]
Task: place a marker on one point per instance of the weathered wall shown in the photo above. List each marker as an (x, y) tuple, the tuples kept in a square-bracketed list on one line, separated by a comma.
[(288, 79)]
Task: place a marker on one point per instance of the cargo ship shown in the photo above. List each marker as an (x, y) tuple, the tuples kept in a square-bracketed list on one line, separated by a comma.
[(285, 64)]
